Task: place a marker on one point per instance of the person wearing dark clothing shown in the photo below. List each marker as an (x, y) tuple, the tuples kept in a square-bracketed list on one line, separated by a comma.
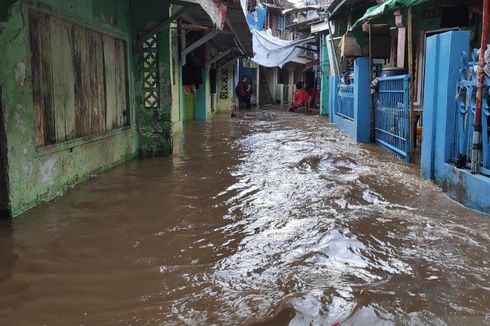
[(244, 92)]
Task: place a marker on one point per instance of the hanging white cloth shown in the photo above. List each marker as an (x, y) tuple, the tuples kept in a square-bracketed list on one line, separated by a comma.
[(270, 51)]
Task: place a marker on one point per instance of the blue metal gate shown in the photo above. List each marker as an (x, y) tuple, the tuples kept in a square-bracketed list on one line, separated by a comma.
[(345, 101), (392, 115)]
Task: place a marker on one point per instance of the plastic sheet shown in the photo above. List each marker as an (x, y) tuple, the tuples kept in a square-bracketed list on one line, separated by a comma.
[(270, 51)]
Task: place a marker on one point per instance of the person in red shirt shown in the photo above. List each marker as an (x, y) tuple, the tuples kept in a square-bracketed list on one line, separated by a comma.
[(300, 98)]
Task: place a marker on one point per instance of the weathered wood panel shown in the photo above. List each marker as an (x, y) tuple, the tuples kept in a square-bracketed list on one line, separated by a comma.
[(34, 21), (110, 82), (97, 87), (42, 78), (69, 86), (79, 80), (56, 30), (82, 80)]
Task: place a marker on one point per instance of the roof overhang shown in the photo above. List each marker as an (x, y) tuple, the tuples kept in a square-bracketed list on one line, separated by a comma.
[(336, 5), (321, 26), (271, 7), (228, 18), (303, 26), (300, 9)]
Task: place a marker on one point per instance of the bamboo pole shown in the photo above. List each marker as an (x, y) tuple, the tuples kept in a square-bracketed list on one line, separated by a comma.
[(477, 145), (373, 111), (412, 81), (333, 49)]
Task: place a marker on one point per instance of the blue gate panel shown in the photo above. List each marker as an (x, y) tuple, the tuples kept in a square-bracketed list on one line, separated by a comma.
[(392, 115)]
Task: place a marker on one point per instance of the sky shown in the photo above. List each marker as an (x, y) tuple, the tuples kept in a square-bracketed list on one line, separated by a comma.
[(297, 3)]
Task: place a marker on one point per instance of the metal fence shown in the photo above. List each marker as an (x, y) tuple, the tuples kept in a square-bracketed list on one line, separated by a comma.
[(392, 115), (345, 101), (465, 117)]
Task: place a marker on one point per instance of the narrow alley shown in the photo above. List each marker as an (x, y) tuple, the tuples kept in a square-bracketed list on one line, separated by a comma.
[(270, 219)]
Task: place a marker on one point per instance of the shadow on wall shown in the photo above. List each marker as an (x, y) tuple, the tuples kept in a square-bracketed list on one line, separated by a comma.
[(4, 9), (4, 193)]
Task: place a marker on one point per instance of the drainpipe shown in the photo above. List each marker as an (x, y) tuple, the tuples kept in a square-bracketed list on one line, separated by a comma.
[(477, 145)]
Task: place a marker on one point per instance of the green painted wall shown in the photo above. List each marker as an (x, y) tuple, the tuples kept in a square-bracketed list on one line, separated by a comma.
[(202, 105), (325, 76), (154, 125), (40, 174), (189, 106)]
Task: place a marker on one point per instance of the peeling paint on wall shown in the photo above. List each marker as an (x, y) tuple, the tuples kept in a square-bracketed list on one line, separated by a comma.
[(40, 174), (48, 171), (20, 123), (20, 73)]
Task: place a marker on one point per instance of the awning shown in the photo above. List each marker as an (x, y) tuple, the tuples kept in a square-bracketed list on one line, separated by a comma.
[(385, 7), (216, 11)]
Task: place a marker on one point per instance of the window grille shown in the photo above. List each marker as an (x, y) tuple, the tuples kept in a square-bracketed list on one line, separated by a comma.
[(151, 84), (224, 87)]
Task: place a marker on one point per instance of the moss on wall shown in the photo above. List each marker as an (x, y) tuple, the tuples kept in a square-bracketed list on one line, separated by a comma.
[(40, 174)]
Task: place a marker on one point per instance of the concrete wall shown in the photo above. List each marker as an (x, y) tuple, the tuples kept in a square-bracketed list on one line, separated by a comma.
[(443, 60), (39, 174)]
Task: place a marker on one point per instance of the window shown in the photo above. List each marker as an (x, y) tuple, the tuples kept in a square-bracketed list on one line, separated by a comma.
[(79, 80), (224, 86)]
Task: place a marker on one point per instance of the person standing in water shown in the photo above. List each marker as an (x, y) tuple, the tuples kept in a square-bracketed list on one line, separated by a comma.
[(244, 92)]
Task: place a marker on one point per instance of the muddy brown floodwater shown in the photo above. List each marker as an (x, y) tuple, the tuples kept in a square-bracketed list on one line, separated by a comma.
[(273, 219)]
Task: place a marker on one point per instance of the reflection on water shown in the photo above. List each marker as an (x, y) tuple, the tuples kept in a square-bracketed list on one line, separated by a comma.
[(273, 219)]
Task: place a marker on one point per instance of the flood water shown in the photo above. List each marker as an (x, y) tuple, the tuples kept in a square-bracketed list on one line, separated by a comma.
[(271, 219)]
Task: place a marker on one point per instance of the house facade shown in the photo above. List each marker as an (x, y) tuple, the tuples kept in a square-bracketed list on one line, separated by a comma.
[(287, 28), (86, 85), (403, 76)]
